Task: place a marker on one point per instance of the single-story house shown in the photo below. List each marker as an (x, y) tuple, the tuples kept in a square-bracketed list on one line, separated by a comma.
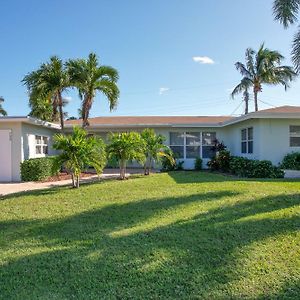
[(267, 134)]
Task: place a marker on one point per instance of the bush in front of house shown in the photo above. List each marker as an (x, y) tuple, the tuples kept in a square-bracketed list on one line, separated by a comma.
[(198, 164), (251, 168), (37, 169), (291, 161), (221, 162), (244, 167)]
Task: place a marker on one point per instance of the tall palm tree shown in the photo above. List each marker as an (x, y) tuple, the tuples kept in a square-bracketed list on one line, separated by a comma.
[(262, 67), (2, 110), (48, 84), (243, 87), (89, 77), (286, 12)]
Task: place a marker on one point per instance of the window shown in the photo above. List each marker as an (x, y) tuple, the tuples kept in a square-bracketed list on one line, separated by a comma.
[(177, 144), (208, 139), (190, 145), (247, 140), (41, 145), (294, 136), (193, 143)]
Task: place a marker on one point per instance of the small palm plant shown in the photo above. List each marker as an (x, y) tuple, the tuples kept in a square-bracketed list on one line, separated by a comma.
[(124, 147), (89, 77), (155, 149), (2, 110), (78, 152), (262, 67)]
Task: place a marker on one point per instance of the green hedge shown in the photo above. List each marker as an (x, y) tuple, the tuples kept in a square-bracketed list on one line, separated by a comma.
[(291, 161), (244, 167), (37, 169)]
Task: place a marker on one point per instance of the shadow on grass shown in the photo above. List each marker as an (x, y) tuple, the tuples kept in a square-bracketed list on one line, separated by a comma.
[(185, 259)]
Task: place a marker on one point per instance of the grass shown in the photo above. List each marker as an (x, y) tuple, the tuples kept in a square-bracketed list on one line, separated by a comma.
[(182, 235)]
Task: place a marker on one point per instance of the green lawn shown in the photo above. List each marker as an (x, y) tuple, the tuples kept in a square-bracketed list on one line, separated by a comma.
[(181, 235)]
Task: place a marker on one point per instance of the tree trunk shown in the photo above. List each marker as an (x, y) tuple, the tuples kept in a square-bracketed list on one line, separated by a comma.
[(77, 181), (122, 169), (86, 107), (255, 99), (61, 113), (246, 99), (73, 180)]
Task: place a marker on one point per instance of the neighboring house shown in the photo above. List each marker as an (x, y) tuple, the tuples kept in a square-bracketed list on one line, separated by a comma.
[(266, 134)]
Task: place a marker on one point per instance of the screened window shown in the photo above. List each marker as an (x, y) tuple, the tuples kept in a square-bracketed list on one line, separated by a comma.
[(294, 136), (247, 140), (41, 144), (177, 144), (208, 139), (192, 144)]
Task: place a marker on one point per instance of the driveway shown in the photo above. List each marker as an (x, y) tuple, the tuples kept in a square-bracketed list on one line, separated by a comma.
[(16, 187)]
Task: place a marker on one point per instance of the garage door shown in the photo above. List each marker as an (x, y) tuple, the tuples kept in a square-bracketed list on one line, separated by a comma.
[(5, 155)]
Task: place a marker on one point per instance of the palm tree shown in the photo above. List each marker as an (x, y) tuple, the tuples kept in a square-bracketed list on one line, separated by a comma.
[(286, 12), (154, 149), (124, 147), (48, 84), (243, 87), (262, 67), (79, 151), (89, 77), (2, 110)]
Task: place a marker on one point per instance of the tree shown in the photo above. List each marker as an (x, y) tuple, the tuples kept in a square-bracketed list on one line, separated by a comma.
[(243, 87), (286, 12), (124, 147), (262, 67), (2, 110), (154, 149), (79, 151), (46, 85), (89, 77)]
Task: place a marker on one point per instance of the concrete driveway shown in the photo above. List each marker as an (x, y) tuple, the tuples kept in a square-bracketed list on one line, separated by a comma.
[(16, 187)]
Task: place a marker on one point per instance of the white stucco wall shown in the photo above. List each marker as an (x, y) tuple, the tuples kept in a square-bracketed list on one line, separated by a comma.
[(16, 147)]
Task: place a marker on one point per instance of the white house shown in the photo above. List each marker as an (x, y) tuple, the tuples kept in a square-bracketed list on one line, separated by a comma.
[(268, 134)]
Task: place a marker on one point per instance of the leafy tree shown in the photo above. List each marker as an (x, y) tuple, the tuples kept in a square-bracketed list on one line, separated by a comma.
[(286, 12), (262, 67), (124, 147), (2, 110), (89, 77), (79, 151), (46, 86), (154, 149)]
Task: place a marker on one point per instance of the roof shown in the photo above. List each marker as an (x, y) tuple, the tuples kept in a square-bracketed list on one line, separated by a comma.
[(29, 120), (281, 109), (153, 121)]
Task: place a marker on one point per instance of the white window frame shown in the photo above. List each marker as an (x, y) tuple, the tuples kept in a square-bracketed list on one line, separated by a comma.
[(290, 136), (43, 145), (184, 145), (247, 140)]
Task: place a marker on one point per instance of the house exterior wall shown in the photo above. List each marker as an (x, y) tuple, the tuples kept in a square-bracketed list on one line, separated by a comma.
[(29, 132), (16, 147)]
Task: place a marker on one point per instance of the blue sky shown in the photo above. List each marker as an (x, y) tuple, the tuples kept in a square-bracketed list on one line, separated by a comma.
[(151, 43)]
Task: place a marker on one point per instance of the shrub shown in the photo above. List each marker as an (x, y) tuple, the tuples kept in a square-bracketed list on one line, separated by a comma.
[(245, 167), (198, 164), (221, 162), (179, 165), (37, 169), (291, 161)]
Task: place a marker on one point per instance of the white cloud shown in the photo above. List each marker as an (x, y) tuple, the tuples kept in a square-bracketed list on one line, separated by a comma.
[(163, 90), (203, 60), (68, 98)]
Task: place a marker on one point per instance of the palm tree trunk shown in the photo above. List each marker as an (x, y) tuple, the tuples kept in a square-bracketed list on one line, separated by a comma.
[(86, 107), (122, 169), (77, 181), (255, 99), (61, 113)]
